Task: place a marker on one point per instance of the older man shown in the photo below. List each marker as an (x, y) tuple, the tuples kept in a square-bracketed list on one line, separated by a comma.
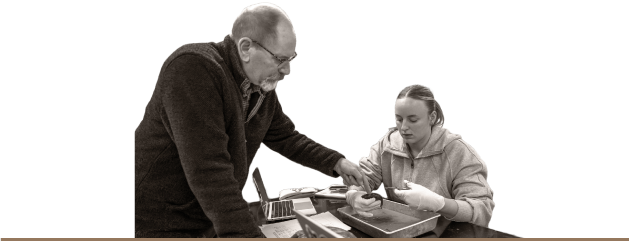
[(213, 105)]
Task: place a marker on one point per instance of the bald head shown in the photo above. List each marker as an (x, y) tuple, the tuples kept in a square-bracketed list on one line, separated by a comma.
[(260, 22)]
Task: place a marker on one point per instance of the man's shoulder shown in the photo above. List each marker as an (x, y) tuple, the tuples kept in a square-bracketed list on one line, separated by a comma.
[(209, 57), (209, 53), (197, 64)]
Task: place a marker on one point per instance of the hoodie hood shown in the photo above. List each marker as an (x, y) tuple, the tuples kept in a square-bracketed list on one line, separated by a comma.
[(439, 139)]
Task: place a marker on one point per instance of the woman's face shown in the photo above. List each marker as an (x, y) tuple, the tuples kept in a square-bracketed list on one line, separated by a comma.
[(412, 120)]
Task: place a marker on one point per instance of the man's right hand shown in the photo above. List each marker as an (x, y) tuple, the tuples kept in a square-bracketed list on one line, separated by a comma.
[(361, 206), (351, 174)]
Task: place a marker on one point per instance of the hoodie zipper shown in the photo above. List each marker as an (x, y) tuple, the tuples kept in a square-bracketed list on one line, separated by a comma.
[(410, 154)]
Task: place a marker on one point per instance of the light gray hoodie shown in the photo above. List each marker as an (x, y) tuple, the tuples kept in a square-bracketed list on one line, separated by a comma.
[(447, 166)]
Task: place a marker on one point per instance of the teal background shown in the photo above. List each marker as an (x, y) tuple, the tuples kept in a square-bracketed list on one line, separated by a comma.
[(537, 87)]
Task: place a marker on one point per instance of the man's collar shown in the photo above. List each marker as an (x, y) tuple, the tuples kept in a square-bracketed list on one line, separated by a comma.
[(234, 59), (238, 71), (247, 88)]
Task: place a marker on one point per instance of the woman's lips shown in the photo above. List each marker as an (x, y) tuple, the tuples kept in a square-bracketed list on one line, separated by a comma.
[(407, 135)]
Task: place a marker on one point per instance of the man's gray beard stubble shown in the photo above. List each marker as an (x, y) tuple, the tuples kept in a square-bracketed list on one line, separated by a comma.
[(268, 85)]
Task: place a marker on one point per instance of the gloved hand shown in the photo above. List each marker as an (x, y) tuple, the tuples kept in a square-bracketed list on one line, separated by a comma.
[(420, 197), (361, 206)]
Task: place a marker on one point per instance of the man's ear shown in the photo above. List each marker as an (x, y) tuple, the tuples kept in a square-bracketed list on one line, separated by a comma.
[(244, 49)]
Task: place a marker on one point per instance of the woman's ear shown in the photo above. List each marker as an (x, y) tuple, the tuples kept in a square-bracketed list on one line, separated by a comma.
[(244, 49), (433, 117)]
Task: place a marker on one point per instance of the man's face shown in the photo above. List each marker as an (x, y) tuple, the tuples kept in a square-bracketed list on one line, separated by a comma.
[(263, 69)]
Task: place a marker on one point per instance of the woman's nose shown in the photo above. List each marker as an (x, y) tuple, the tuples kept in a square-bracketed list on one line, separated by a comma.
[(404, 127)]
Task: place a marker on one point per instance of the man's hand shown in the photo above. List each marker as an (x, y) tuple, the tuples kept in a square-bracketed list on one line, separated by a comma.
[(351, 174), (420, 197), (361, 206)]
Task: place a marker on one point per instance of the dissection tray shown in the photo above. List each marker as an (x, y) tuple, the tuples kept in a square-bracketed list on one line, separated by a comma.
[(394, 220)]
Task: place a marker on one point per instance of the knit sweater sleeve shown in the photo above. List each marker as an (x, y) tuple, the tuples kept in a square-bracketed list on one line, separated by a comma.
[(193, 109), (282, 138), (470, 189)]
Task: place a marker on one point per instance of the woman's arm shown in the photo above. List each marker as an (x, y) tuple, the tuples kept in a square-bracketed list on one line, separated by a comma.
[(371, 165), (450, 209), (472, 195)]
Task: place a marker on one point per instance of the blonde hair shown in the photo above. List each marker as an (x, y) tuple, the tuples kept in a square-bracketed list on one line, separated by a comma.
[(420, 92)]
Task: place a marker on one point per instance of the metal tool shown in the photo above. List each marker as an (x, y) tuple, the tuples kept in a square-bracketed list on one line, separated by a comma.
[(404, 188)]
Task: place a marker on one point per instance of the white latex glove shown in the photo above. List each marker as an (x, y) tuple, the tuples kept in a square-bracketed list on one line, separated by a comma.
[(353, 187), (420, 197), (361, 206)]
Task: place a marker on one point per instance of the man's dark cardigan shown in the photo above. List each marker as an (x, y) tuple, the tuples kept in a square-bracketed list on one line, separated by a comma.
[(193, 148)]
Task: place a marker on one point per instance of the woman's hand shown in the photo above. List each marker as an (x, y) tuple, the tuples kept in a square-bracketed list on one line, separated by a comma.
[(361, 206), (420, 197)]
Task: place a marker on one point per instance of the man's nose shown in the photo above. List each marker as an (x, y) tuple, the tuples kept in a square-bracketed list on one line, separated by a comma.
[(285, 68)]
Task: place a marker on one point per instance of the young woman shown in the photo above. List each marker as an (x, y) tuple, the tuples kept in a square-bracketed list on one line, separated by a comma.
[(444, 174)]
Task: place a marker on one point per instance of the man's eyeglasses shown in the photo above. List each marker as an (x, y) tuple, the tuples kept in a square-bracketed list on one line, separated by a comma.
[(281, 60)]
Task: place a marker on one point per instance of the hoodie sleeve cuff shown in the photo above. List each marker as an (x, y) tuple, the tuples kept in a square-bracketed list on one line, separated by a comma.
[(338, 161), (464, 214)]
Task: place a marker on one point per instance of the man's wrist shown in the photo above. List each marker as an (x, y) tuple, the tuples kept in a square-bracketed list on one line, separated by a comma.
[(337, 167)]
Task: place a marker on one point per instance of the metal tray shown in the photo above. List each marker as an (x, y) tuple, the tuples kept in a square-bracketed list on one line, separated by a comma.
[(394, 220)]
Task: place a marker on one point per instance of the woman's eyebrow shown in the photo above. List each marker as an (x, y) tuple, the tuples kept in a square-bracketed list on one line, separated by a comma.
[(415, 116)]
